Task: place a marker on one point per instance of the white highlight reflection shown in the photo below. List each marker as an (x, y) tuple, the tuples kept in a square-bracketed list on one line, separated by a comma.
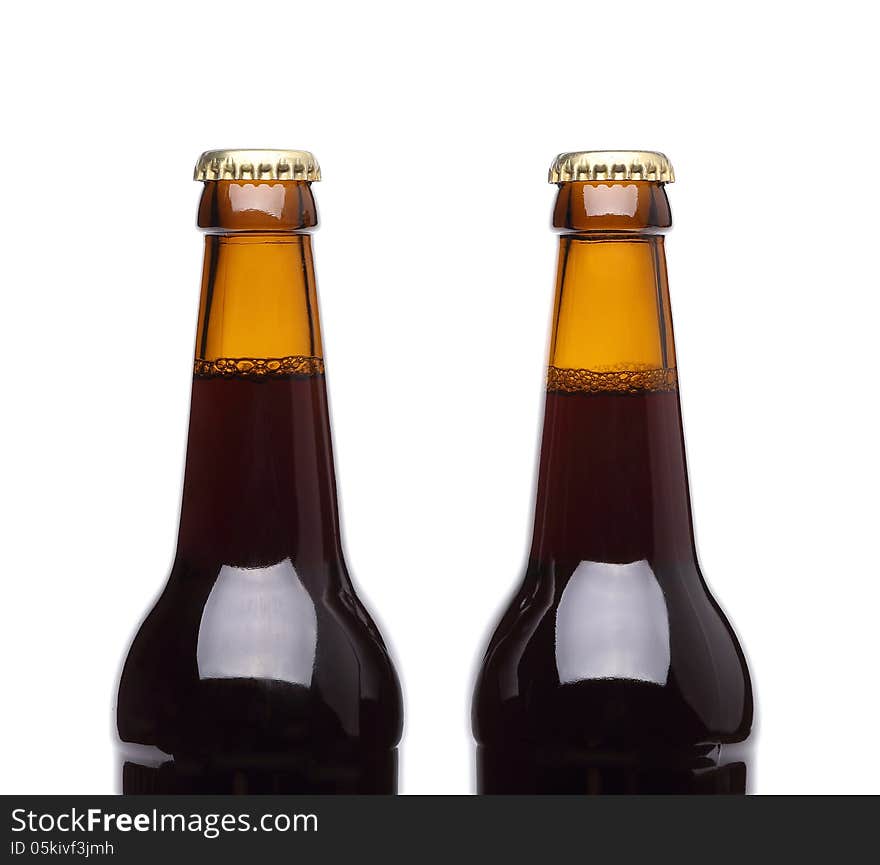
[(250, 196), (258, 623), (611, 200), (612, 623)]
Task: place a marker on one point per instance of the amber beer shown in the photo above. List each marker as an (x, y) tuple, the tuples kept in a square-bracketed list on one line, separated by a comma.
[(613, 669), (258, 670)]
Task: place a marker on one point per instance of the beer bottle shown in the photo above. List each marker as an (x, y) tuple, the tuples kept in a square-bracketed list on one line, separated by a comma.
[(258, 670), (613, 669)]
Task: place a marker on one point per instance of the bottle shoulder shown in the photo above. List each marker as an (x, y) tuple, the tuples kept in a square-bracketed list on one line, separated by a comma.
[(607, 652), (240, 657)]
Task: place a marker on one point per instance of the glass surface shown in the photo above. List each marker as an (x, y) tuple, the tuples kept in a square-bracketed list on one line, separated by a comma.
[(258, 670), (613, 670)]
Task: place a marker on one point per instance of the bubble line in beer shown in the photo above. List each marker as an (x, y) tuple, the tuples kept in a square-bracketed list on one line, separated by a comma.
[(257, 367), (611, 380)]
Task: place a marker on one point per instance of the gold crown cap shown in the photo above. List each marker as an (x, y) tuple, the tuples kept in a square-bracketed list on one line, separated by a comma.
[(257, 165), (585, 165)]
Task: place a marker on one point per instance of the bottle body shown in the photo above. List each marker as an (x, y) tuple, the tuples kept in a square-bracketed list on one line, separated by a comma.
[(613, 670), (258, 670)]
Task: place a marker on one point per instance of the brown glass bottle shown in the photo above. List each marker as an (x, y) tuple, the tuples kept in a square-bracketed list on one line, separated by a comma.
[(258, 670), (613, 670)]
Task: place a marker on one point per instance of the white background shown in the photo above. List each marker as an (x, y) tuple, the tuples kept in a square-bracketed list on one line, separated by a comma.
[(435, 124)]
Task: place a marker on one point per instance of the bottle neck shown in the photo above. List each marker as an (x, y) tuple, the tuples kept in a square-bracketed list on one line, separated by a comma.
[(612, 483), (259, 484)]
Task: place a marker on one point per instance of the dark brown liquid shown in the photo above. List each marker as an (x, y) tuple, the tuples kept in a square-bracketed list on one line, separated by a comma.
[(613, 669), (258, 670)]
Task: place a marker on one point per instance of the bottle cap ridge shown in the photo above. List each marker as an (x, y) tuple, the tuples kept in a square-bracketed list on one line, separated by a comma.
[(257, 164), (612, 165)]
